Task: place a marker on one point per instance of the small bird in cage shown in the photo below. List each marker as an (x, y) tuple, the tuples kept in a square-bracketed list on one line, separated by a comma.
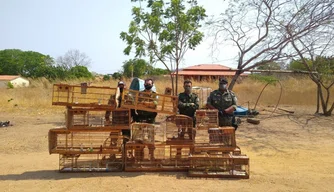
[(180, 132), (145, 135)]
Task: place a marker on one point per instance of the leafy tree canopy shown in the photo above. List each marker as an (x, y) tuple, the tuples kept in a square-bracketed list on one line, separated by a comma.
[(25, 63), (33, 64), (136, 68), (297, 65), (117, 75), (163, 31)]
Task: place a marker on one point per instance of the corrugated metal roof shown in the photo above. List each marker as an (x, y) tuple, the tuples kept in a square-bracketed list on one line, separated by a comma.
[(8, 77)]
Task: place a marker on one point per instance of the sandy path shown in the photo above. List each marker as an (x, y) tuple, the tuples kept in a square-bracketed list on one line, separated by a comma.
[(287, 153)]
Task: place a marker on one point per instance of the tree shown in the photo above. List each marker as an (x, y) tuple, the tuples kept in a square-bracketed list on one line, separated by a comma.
[(117, 75), (158, 71), (80, 72), (164, 31), (321, 70), (315, 47), (297, 65), (25, 63), (135, 68), (106, 77), (11, 61), (73, 58), (259, 28)]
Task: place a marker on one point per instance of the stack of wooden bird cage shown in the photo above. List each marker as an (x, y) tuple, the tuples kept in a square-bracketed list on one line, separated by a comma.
[(216, 154), (89, 142), (93, 140)]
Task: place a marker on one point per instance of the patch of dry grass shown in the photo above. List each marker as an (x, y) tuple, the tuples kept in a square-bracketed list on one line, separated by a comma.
[(38, 97)]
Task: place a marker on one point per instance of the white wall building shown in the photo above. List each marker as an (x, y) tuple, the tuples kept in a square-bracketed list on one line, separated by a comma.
[(16, 80)]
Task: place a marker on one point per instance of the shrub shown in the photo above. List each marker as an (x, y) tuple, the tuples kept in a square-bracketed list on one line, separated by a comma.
[(106, 78), (10, 85)]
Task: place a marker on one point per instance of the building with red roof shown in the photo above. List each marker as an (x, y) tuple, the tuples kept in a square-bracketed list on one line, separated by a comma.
[(15, 80), (207, 72)]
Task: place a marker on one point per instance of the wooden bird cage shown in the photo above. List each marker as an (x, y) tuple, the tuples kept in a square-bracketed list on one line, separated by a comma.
[(121, 117), (215, 150), (153, 102), (143, 133), (87, 118), (179, 130), (203, 93), (206, 118), (222, 136), (145, 157), (64, 141), (90, 162), (229, 166), (84, 96), (178, 152)]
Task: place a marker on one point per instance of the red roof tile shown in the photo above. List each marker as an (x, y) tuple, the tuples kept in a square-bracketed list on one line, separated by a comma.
[(209, 73), (8, 77), (210, 67), (208, 70)]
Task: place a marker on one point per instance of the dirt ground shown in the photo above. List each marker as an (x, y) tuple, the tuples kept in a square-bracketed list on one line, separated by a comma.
[(288, 152)]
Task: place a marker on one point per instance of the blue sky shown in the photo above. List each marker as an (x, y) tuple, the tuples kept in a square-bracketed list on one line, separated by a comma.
[(92, 26)]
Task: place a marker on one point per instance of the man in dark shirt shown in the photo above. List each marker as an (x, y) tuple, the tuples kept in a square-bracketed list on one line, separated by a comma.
[(147, 116)]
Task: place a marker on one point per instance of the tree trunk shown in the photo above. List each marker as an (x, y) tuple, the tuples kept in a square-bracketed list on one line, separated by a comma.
[(325, 104), (234, 80), (177, 77), (172, 79), (318, 98), (329, 112)]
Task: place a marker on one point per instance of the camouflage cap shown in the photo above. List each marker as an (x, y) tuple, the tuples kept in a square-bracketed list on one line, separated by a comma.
[(223, 80)]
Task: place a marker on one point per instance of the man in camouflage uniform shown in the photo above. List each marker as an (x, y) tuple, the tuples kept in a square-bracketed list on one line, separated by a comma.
[(147, 116), (188, 103), (226, 102)]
